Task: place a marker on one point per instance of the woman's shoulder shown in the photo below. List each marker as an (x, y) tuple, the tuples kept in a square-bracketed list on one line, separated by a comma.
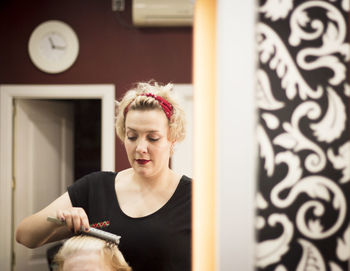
[(101, 174), (97, 176), (185, 185), (186, 180)]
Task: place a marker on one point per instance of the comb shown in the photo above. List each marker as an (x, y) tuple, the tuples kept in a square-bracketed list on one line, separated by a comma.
[(92, 232)]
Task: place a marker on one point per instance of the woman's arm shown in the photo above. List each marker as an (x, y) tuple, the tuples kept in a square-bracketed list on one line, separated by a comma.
[(35, 230)]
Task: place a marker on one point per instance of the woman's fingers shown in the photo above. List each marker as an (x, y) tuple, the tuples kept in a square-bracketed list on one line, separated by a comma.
[(76, 221), (83, 220), (69, 219), (60, 215), (75, 218), (85, 223)]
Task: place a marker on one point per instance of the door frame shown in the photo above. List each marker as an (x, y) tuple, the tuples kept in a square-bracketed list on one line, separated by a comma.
[(104, 92)]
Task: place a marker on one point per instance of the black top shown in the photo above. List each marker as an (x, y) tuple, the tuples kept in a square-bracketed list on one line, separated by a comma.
[(159, 241)]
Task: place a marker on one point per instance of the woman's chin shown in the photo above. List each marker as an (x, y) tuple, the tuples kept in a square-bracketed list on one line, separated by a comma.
[(142, 170)]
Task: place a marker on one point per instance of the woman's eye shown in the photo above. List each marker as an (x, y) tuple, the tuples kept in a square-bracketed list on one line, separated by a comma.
[(132, 138), (153, 139)]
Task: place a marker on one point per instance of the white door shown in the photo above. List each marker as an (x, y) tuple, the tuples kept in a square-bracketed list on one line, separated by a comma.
[(43, 153)]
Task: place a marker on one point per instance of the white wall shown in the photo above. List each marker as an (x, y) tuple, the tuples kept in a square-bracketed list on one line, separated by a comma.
[(235, 126), (182, 159)]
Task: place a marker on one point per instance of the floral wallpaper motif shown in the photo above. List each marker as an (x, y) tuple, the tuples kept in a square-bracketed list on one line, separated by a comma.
[(303, 132)]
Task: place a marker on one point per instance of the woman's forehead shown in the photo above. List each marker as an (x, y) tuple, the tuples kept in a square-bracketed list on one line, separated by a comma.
[(150, 120)]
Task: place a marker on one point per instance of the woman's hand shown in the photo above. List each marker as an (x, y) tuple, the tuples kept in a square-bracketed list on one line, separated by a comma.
[(75, 218), (35, 231)]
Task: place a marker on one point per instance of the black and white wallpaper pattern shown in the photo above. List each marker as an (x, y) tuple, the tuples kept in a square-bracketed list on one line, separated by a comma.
[(303, 192)]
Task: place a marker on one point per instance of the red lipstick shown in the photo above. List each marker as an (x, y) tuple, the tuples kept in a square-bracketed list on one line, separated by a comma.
[(142, 161)]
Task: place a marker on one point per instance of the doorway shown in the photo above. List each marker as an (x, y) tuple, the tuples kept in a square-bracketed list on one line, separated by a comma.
[(105, 94)]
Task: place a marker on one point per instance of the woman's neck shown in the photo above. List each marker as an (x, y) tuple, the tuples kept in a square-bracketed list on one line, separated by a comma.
[(159, 180)]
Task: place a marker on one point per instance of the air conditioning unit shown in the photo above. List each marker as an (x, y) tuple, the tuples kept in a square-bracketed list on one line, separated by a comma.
[(162, 12)]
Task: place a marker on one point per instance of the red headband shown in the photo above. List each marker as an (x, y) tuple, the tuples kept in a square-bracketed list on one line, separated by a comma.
[(166, 106)]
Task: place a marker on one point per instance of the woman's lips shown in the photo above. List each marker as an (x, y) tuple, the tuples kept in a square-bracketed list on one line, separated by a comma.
[(142, 161)]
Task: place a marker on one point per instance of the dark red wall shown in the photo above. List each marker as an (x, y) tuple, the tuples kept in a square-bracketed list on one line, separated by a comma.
[(110, 51)]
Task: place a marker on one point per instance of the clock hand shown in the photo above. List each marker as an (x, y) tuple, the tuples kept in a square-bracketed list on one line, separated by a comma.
[(60, 47), (51, 42)]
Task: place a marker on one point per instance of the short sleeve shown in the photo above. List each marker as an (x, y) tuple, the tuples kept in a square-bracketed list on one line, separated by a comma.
[(79, 192), (90, 189)]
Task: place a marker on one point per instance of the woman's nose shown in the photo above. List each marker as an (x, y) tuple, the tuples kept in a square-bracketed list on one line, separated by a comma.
[(141, 146)]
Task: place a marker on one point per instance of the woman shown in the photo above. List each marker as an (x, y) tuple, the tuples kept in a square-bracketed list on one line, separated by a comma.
[(148, 205), (89, 253)]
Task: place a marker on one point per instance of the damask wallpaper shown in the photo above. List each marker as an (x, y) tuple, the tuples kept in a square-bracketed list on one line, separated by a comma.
[(303, 132)]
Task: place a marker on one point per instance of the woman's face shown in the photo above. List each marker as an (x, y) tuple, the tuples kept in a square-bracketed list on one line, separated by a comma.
[(146, 142)]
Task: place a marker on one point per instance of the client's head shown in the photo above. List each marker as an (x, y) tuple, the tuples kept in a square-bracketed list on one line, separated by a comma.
[(90, 253)]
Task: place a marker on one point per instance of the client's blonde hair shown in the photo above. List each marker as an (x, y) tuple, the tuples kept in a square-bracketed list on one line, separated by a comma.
[(82, 243)]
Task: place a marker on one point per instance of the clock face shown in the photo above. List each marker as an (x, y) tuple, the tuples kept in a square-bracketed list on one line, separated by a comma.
[(53, 46)]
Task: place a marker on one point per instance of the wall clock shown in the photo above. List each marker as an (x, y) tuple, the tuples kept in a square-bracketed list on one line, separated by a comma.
[(53, 46)]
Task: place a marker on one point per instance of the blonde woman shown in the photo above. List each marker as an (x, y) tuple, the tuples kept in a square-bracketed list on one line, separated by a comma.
[(88, 253), (148, 204)]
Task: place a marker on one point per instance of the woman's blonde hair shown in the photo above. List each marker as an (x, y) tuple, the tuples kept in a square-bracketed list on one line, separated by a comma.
[(82, 243), (134, 99)]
